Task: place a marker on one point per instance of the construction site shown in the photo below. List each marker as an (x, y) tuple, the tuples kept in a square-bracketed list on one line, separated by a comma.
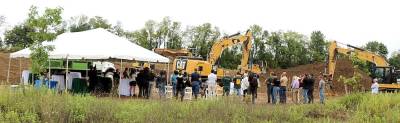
[(199, 61)]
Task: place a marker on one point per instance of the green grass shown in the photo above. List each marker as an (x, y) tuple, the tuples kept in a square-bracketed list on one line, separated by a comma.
[(46, 106)]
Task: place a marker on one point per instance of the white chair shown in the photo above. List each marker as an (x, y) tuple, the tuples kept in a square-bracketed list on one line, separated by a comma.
[(188, 93), (168, 92)]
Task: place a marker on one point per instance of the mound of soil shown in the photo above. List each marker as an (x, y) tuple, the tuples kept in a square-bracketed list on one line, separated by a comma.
[(343, 68), (17, 66)]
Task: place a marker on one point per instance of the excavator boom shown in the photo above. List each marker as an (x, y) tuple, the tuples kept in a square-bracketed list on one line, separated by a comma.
[(387, 73)]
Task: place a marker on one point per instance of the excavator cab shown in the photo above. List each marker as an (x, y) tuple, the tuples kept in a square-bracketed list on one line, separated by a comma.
[(386, 75)]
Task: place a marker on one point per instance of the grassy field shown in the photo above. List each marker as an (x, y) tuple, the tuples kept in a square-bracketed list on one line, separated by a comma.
[(47, 106)]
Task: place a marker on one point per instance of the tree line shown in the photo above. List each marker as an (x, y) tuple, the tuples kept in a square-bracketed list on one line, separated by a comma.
[(271, 49)]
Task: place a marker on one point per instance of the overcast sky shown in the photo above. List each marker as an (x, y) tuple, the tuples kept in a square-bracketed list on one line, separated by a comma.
[(349, 21)]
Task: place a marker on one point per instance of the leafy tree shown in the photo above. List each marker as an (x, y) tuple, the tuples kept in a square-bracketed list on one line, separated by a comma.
[(274, 42), (141, 37), (79, 23), (18, 37), (395, 60), (231, 58), (202, 38), (354, 82), (377, 47), (259, 50), (99, 22), (295, 53), (118, 30), (318, 46), (162, 33), (39, 57), (45, 27), (175, 36)]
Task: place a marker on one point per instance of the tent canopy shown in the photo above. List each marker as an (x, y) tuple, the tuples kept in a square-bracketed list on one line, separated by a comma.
[(95, 44)]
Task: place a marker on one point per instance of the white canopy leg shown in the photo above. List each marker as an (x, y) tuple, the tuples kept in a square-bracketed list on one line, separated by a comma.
[(8, 72), (20, 70), (66, 76), (49, 75)]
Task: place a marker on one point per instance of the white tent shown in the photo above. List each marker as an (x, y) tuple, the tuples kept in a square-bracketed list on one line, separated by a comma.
[(95, 44)]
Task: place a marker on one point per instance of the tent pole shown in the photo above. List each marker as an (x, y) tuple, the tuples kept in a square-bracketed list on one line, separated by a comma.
[(20, 70), (168, 76), (49, 75), (120, 77), (8, 72), (66, 75)]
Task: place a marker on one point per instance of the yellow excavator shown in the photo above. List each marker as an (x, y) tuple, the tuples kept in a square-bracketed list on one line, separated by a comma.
[(382, 70), (188, 64)]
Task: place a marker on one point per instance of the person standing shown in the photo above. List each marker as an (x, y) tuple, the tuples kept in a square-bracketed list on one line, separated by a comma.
[(269, 82), (321, 87), (306, 88), (211, 83), (151, 79), (186, 80), (275, 90), (295, 90), (140, 82), (174, 82), (147, 77), (245, 84), (311, 91), (284, 82), (237, 84), (253, 87), (195, 79), (375, 86), (161, 82), (133, 82), (226, 81), (180, 86)]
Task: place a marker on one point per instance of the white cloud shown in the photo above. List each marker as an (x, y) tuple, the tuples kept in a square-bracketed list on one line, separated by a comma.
[(349, 21)]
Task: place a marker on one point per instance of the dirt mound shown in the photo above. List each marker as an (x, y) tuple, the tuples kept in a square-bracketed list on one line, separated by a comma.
[(343, 68), (17, 65)]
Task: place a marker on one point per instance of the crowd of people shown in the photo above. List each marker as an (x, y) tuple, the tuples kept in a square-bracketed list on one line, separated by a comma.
[(240, 85), (278, 86)]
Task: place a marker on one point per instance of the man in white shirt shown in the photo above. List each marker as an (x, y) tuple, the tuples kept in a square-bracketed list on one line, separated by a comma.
[(375, 87), (211, 83), (245, 84)]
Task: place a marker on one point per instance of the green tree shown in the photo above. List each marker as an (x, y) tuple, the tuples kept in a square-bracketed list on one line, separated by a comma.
[(118, 30), (259, 50), (175, 36), (395, 60), (318, 46), (18, 37), (377, 47), (99, 22), (84, 23), (202, 38), (230, 57), (295, 53), (275, 46), (79, 23), (46, 29)]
